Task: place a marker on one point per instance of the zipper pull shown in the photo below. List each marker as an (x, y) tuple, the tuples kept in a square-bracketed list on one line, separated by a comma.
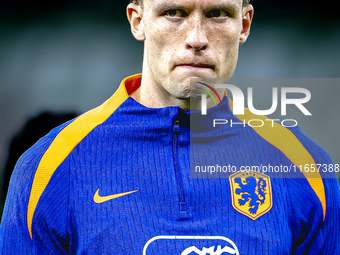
[(177, 126)]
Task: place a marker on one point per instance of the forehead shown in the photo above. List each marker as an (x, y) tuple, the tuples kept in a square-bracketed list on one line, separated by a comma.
[(202, 4)]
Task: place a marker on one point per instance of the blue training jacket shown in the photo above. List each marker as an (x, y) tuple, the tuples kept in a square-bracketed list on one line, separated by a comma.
[(126, 179)]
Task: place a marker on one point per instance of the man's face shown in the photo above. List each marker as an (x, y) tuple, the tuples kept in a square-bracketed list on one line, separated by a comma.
[(190, 39)]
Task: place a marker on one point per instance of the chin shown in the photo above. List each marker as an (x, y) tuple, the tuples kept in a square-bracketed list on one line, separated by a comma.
[(182, 95)]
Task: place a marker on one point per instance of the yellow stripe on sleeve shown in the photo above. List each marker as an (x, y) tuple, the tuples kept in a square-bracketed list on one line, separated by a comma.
[(283, 139), (67, 140)]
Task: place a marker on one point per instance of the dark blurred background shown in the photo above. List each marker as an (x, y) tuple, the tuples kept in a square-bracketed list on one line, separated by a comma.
[(70, 55)]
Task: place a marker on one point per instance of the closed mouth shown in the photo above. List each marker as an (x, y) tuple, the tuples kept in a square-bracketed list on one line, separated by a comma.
[(192, 65)]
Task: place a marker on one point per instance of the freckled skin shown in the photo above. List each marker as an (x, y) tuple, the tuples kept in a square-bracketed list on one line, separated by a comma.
[(187, 42)]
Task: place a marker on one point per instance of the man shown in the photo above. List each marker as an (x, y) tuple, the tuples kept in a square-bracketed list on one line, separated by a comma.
[(116, 180)]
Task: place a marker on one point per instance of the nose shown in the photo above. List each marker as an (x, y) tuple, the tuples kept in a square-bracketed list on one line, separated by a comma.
[(196, 36)]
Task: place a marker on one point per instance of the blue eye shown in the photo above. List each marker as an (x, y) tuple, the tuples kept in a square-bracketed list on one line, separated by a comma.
[(175, 13), (217, 14)]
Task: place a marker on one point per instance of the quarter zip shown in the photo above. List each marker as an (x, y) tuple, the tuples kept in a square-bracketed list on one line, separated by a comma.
[(183, 210)]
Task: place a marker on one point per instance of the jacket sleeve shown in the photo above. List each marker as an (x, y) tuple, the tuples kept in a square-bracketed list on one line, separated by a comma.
[(327, 238), (14, 234), (318, 231)]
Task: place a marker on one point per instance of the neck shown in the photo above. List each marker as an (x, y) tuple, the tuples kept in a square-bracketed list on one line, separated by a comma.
[(150, 100), (152, 95)]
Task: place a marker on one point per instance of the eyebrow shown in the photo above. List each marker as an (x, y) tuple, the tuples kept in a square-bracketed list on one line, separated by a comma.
[(165, 5), (229, 5)]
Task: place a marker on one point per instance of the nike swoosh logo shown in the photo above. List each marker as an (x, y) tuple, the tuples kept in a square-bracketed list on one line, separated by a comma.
[(98, 199)]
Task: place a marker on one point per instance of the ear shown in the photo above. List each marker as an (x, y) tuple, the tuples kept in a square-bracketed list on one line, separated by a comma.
[(247, 17), (135, 17)]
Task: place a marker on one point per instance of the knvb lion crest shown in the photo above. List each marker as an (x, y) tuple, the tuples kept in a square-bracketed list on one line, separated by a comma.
[(251, 193)]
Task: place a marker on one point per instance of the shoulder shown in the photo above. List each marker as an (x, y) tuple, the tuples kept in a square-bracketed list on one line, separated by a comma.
[(17, 209), (30, 160), (290, 140), (306, 155), (319, 154)]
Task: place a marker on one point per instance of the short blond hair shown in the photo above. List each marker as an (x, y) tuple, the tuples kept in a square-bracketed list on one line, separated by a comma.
[(140, 2)]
